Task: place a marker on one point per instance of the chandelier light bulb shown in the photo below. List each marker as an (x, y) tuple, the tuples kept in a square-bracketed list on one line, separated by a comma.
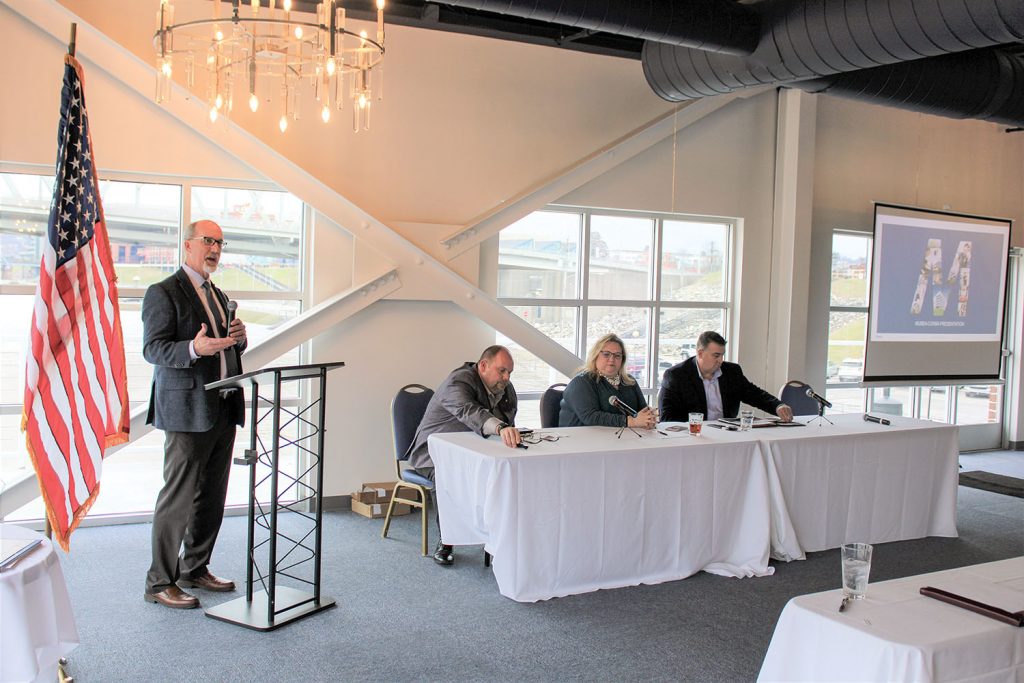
[(287, 5), (380, 4), (283, 123), (325, 113), (213, 114), (332, 66), (298, 33), (165, 68), (254, 102), (219, 35), (218, 101)]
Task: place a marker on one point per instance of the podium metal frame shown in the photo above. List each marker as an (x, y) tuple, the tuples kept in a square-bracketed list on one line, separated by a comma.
[(275, 605)]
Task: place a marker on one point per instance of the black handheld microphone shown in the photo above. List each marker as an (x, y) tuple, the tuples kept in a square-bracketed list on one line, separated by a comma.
[(878, 420), (232, 307), (820, 399), (617, 402)]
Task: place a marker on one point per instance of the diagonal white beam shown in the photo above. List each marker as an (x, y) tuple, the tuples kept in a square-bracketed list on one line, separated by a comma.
[(286, 337), (584, 171)]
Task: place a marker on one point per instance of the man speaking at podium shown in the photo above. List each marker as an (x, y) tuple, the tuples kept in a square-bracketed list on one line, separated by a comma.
[(707, 384), (192, 338)]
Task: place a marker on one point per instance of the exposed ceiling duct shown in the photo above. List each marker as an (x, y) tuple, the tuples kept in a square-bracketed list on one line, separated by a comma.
[(720, 25), (924, 55), (981, 84)]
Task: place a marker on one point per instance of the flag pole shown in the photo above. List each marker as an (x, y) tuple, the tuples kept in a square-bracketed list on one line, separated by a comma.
[(47, 529)]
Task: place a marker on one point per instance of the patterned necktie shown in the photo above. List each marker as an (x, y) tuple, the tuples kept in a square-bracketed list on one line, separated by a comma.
[(228, 358)]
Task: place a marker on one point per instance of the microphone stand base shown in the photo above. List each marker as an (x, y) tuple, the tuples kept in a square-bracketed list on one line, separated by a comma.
[(618, 434)]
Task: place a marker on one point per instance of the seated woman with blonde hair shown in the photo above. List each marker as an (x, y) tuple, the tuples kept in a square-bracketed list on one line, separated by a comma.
[(585, 401)]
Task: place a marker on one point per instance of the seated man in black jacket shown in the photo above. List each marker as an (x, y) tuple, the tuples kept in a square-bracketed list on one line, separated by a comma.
[(706, 384)]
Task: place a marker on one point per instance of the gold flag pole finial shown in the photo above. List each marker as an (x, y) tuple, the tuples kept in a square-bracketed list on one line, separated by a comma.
[(71, 43)]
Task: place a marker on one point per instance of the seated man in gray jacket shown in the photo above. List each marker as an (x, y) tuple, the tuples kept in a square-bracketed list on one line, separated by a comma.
[(475, 397)]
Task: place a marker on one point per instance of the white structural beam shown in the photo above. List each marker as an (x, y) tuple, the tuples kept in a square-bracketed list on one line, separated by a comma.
[(585, 170), (791, 237)]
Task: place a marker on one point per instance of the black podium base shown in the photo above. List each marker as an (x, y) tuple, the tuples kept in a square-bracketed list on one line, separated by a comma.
[(254, 614)]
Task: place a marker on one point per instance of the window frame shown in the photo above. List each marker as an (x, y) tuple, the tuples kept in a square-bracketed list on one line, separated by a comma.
[(582, 303)]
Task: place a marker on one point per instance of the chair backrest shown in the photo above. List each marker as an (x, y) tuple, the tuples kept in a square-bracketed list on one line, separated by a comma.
[(407, 410), (794, 394), (550, 405)]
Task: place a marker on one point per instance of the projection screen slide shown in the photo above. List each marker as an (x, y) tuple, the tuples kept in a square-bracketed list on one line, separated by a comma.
[(938, 291)]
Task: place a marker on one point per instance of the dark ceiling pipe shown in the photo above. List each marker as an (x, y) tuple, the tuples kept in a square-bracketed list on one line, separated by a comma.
[(981, 84), (812, 38), (721, 25)]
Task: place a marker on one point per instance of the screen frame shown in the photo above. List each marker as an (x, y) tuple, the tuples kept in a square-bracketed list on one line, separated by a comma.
[(941, 378)]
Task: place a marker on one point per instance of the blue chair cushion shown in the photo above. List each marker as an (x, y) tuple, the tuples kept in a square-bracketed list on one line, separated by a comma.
[(414, 478)]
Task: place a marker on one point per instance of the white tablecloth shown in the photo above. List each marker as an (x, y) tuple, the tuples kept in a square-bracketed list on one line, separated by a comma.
[(896, 634), (37, 626), (591, 511), (857, 481)]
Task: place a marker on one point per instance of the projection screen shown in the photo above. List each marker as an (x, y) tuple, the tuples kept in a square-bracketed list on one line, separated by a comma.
[(938, 291)]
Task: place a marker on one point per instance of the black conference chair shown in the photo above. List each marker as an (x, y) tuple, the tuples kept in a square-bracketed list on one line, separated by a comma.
[(407, 410), (550, 405), (794, 394)]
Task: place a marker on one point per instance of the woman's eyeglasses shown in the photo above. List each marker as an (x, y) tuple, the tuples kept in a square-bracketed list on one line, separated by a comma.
[(608, 355)]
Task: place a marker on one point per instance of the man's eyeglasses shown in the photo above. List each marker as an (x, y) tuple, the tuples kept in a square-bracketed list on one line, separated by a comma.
[(608, 355), (537, 437), (210, 241)]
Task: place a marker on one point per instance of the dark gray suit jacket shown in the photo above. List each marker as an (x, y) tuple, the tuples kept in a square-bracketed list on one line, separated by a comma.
[(171, 317), (460, 404)]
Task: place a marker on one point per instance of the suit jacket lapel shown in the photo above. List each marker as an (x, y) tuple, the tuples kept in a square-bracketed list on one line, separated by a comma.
[(190, 293), (698, 387)]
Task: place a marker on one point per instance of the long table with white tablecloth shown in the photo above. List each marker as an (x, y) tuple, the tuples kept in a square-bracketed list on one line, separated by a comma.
[(858, 481), (591, 511), (594, 511), (897, 634)]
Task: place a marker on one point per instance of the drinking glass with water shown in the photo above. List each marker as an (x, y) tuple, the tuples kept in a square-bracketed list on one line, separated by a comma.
[(856, 559)]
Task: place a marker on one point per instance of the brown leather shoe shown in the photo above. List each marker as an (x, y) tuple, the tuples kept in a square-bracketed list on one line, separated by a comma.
[(208, 582), (173, 597)]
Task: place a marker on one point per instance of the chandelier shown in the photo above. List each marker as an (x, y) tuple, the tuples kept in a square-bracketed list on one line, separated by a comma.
[(260, 52)]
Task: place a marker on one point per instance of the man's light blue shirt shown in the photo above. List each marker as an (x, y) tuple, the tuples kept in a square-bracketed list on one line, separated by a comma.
[(713, 396)]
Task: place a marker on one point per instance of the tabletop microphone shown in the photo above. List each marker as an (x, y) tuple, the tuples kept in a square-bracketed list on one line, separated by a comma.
[(820, 399), (232, 307), (878, 420), (617, 402)]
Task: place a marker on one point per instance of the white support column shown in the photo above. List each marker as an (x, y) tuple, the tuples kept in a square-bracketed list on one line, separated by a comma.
[(786, 339)]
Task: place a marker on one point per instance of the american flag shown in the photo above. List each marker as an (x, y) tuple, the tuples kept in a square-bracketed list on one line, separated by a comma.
[(76, 392)]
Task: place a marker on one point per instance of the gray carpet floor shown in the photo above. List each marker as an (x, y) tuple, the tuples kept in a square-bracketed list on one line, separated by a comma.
[(401, 617)]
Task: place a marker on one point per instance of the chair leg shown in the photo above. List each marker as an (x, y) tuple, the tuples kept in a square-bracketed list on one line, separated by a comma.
[(425, 498), (487, 559), (387, 517)]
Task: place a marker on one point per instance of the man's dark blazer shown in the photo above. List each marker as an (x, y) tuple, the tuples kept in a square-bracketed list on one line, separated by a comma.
[(460, 404), (682, 392), (171, 316)]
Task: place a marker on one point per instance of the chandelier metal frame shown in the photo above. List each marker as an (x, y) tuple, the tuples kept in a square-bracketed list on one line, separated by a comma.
[(273, 54)]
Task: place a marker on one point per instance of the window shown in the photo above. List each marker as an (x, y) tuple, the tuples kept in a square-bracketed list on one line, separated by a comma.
[(656, 280), (261, 268)]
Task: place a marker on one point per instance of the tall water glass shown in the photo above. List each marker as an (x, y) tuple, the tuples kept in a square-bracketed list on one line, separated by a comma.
[(856, 568)]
